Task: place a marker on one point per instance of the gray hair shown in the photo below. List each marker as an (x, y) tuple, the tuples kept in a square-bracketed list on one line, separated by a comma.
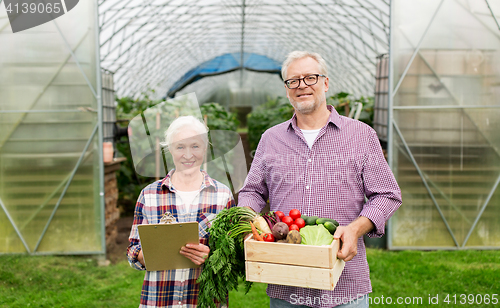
[(296, 55), (182, 123)]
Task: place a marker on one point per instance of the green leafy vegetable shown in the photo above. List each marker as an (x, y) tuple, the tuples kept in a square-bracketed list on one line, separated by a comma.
[(226, 261), (316, 235)]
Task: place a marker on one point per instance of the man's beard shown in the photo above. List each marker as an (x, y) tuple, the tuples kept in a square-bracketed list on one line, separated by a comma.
[(307, 107)]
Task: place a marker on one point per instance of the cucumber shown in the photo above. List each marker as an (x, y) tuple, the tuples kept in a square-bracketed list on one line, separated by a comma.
[(330, 227), (321, 221), (311, 221)]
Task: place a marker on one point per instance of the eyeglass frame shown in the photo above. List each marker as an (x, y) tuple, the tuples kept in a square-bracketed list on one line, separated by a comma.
[(304, 80)]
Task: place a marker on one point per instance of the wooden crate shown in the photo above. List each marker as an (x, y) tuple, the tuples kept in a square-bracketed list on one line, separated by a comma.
[(297, 265)]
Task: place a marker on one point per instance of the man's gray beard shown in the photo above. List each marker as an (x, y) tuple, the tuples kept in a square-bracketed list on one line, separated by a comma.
[(302, 109)]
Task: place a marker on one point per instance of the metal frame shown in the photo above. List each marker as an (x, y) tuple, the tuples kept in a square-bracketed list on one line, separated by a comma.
[(145, 53)]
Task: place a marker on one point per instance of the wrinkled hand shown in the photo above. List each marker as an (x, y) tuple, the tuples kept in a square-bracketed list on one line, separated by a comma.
[(348, 243), (197, 253), (349, 235)]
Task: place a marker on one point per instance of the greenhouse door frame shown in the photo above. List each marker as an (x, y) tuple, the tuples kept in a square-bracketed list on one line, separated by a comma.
[(98, 128)]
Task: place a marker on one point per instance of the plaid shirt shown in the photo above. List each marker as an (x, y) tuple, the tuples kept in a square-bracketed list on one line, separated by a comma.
[(174, 288), (331, 179)]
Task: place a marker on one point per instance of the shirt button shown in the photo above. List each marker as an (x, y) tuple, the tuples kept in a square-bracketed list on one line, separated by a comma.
[(180, 303), (307, 187), (309, 160)]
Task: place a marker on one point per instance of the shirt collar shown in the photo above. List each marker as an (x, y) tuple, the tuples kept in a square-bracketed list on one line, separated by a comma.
[(334, 118), (207, 181)]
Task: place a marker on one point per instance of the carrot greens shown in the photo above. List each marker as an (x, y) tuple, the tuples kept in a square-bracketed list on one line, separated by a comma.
[(226, 260)]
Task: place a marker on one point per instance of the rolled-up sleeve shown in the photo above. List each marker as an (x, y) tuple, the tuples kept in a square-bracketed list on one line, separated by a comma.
[(134, 246), (381, 189), (254, 192)]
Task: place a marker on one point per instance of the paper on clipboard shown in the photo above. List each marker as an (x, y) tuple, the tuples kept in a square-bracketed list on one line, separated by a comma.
[(161, 245)]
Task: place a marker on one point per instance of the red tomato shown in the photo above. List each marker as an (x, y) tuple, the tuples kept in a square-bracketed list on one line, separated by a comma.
[(294, 227), (300, 222), (294, 214), (280, 214), (268, 237), (288, 220)]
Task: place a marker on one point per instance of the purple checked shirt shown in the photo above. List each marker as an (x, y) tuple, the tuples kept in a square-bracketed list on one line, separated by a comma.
[(330, 179)]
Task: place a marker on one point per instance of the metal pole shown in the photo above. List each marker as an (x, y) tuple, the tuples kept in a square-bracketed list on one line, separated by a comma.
[(390, 79), (242, 47), (14, 226), (100, 125), (492, 14)]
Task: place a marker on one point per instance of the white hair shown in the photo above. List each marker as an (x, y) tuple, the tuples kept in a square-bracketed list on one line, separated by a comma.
[(296, 55), (185, 122)]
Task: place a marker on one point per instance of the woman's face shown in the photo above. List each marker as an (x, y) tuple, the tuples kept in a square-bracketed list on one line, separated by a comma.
[(188, 150)]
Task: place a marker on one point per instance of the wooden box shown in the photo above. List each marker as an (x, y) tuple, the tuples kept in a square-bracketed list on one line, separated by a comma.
[(307, 266)]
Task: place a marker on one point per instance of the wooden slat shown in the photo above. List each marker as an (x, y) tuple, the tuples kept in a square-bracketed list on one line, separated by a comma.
[(293, 254), (292, 275)]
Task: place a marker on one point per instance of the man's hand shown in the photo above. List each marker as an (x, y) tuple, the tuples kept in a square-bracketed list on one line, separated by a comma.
[(349, 235), (196, 253)]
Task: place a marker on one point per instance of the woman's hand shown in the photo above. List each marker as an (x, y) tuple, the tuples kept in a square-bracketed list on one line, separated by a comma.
[(196, 253), (140, 258)]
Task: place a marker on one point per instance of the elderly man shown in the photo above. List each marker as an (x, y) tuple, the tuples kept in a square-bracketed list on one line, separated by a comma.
[(325, 165)]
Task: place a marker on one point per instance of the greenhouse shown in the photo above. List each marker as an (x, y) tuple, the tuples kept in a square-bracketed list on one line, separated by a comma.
[(432, 67)]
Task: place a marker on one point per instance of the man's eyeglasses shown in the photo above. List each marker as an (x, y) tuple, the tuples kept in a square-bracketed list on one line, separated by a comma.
[(309, 80)]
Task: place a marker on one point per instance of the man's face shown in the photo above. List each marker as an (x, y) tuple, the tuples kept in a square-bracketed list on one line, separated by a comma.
[(306, 99)]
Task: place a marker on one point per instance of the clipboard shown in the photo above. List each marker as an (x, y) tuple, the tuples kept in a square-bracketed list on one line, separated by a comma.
[(161, 245)]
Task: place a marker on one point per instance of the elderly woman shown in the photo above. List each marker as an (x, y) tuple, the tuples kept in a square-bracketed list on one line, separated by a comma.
[(189, 194)]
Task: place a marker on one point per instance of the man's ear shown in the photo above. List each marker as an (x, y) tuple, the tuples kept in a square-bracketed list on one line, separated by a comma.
[(286, 90), (326, 83)]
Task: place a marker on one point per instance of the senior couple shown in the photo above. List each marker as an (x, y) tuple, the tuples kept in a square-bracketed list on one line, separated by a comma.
[(338, 171)]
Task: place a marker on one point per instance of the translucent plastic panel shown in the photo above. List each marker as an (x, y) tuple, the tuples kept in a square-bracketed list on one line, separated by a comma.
[(10, 240), (458, 161), (76, 226), (446, 54), (487, 231), (417, 223), (452, 39), (48, 112)]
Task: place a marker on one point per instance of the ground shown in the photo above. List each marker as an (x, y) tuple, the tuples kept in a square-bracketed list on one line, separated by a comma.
[(116, 251)]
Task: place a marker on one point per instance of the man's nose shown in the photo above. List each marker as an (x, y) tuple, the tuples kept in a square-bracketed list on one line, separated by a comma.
[(302, 84)]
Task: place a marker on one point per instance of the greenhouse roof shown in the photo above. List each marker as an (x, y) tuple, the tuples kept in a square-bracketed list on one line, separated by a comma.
[(161, 44), (225, 64)]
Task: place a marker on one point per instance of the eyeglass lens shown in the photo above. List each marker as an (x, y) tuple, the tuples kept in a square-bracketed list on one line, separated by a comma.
[(308, 80)]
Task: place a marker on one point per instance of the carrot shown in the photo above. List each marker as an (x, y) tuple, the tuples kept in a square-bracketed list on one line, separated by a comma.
[(256, 234)]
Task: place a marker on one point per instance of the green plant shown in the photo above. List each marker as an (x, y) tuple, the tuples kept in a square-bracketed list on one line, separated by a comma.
[(344, 102), (265, 116)]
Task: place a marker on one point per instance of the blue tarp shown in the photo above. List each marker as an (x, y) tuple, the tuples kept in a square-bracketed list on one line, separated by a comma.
[(224, 64)]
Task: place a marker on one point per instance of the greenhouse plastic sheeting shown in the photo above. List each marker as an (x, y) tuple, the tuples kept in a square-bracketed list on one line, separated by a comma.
[(445, 145), (50, 143)]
